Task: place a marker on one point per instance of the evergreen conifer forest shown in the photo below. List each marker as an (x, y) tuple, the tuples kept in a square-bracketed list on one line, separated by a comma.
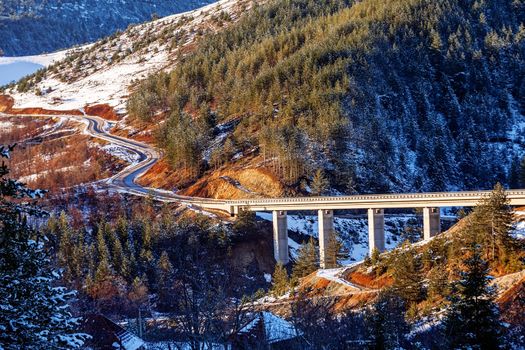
[(263, 174), (385, 95)]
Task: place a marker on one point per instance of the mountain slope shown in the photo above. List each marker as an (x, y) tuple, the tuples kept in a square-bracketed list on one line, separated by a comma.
[(398, 95), (104, 71), (384, 96), (33, 27)]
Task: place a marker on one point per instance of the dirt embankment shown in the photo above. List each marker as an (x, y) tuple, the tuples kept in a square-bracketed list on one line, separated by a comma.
[(6, 103), (103, 111), (512, 303), (231, 183), (369, 280)]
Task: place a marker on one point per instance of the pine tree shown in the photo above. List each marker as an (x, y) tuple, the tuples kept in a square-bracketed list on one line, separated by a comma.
[(120, 263), (492, 222), (146, 254), (407, 274), (438, 281), (103, 270), (320, 183), (473, 318), (307, 260), (386, 322), (66, 247), (336, 251), (280, 283), (246, 223), (33, 313), (376, 256), (164, 279), (102, 248), (78, 257), (122, 229)]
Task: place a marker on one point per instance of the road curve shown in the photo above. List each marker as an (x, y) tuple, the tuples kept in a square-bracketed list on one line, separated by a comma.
[(125, 180)]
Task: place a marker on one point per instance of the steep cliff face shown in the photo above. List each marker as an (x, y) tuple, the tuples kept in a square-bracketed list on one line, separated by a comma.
[(33, 27)]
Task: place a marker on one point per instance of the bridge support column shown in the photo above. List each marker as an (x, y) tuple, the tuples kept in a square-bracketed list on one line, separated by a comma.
[(431, 222), (376, 230), (326, 230), (280, 236)]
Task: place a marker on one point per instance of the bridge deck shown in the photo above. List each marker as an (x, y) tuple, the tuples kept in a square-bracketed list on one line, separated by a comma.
[(380, 201)]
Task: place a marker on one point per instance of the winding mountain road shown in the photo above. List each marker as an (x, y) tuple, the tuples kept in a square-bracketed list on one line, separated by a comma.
[(126, 181)]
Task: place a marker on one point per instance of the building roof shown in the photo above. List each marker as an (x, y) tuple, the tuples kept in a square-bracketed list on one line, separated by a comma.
[(276, 329), (106, 334)]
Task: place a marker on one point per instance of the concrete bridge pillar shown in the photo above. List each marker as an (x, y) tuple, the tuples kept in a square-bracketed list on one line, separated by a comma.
[(280, 236), (326, 230), (376, 230), (431, 222)]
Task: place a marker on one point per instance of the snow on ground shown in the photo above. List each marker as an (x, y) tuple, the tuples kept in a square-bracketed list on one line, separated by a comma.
[(334, 275), (352, 230), (6, 125), (121, 153), (34, 177), (268, 278), (107, 80), (42, 60), (293, 246), (276, 329), (170, 345), (519, 229)]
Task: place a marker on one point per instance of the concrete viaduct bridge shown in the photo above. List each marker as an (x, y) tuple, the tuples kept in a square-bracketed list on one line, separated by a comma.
[(375, 204), (431, 203)]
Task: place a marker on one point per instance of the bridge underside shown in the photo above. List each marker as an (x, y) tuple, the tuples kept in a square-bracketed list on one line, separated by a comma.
[(430, 203), (376, 231)]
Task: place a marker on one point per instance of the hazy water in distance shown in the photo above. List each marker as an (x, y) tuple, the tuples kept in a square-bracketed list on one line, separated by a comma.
[(14, 71)]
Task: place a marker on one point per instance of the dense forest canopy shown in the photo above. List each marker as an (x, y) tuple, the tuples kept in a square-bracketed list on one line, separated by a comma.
[(397, 95)]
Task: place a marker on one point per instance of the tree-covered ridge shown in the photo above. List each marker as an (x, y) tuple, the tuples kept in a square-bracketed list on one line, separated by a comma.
[(30, 26), (385, 95)]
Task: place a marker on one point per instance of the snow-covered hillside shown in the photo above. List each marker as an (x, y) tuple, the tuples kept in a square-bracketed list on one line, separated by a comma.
[(103, 72), (37, 26)]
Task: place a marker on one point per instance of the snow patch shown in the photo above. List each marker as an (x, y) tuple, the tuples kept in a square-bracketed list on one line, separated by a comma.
[(334, 275), (122, 153)]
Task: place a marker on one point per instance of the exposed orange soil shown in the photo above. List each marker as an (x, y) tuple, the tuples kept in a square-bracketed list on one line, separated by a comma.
[(6, 103), (512, 303), (103, 111), (340, 297), (258, 182), (353, 301), (161, 175), (144, 135), (369, 281), (44, 111), (100, 110), (216, 184)]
